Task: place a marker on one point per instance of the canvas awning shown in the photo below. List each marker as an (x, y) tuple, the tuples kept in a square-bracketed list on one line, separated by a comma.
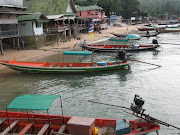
[(78, 53), (32, 102)]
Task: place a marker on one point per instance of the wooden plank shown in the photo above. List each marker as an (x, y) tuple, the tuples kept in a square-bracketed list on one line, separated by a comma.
[(2, 120), (9, 127), (25, 129), (43, 129), (61, 130)]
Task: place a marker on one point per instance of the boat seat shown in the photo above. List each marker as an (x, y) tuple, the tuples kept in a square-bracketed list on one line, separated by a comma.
[(43, 129), (2, 120), (61, 130), (25, 129), (9, 127)]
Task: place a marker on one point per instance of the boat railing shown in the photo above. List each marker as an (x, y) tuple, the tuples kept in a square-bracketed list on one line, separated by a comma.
[(39, 120), (114, 43)]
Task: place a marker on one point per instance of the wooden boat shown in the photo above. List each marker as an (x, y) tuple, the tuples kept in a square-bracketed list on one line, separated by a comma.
[(168, 30), (147, 29), (43, 67), (118, 46), (45, 124), (150, 28), (119, 35), (150, 35)]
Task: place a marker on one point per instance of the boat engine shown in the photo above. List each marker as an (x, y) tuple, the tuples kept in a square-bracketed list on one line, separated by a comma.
[(154, 41), (122, 56), (137, 105)]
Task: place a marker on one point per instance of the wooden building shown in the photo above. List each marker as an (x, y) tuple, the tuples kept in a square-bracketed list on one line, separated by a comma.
[(61, 13), (9, 33), (31, 28), (95, 14)]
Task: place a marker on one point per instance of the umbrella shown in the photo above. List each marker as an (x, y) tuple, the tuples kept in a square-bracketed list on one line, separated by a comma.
[(133, 36)]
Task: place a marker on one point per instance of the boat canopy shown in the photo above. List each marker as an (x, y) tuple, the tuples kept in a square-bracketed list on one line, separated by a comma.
[(77, 52), (32, 102)]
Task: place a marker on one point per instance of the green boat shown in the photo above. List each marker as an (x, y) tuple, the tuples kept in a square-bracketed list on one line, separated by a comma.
[(118, 39), (43, 67)]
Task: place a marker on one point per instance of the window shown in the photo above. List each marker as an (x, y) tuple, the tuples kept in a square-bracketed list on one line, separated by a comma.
[(38, 24)]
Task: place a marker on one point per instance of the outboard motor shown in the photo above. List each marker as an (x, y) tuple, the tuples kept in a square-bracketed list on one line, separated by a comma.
[(154, 41), (122, 56), (137, 105)]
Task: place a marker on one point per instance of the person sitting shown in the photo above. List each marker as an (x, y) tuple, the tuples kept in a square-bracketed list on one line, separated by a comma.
[(147, 33)]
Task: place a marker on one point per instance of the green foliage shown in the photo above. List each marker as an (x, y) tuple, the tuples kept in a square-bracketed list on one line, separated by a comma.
[(48, 7), (160, 8)]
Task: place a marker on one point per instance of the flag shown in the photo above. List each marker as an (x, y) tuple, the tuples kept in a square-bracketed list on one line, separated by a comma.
[(91, 30), (74, 45), (127, 31)]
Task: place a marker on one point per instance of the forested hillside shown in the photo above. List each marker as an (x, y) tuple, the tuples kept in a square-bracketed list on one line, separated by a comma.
[(157, 8), (161, 7), (48, 7)]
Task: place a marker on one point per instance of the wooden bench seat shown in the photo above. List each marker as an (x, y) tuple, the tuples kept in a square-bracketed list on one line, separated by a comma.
[(43, 129), (25, 129), (9, 127)]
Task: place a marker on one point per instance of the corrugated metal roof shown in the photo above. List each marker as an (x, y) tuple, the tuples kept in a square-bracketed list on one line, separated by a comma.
[(84, 8), (51, 17), (35, 16)]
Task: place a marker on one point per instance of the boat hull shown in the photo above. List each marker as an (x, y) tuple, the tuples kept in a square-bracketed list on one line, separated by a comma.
[(30, 123), (41, 69), (117, 49)]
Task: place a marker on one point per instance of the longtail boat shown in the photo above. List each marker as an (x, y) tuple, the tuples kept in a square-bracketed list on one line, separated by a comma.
[(119, 35), (45, 124), (150, 35), (150, 28), (168, 30), (117, 46), (43, 67)]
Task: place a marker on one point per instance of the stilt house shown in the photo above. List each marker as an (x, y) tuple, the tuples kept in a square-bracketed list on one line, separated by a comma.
[(9, 33)]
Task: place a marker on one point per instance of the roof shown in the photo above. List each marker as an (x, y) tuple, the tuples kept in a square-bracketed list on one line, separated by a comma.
[(51, 7), (81, 18), (84, 8), (32, 102), (51, 17), (78, 53), (36, 16)]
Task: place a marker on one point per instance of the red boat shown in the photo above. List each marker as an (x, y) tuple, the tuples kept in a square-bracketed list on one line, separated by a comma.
[(29, 123), (121, 46), (150, 28)]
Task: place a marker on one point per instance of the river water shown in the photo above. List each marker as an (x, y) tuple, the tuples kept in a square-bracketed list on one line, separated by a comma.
[(158, 86)]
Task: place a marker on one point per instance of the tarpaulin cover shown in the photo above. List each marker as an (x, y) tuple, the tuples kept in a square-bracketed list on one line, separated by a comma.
[(32, 102), (78, 53)]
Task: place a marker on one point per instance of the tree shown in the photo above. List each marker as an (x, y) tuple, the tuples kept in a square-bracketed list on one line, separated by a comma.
[(129, 6)]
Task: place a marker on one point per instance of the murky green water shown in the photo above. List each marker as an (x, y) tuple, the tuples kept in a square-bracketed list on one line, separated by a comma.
[(158, 86)]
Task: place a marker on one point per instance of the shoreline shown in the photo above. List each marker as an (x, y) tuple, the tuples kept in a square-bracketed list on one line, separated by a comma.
[(36, 54)]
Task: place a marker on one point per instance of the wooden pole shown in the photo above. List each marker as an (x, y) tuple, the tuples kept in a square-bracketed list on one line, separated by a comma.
[(14, 45), (1, 47), (145, 62), (18, 43)]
